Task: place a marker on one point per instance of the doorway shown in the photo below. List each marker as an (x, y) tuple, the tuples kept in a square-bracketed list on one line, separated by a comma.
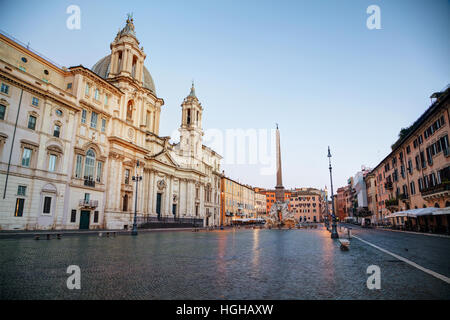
[(158, 205), (84, 219)]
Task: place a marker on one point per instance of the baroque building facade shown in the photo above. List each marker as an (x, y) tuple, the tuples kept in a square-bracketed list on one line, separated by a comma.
[(73, 139)]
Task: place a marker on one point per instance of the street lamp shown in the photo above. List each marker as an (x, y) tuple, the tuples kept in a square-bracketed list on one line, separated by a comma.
[(334, 234), (327, 212), (136, 178)]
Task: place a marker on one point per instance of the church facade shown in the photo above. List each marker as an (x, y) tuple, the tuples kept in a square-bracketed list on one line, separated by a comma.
[(74, 140)]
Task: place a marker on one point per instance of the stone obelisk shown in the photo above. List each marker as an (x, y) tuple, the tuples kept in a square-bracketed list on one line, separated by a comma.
[(279, 189)]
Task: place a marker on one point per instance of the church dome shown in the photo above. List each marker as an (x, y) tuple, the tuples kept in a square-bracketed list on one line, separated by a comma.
[(102, 68)]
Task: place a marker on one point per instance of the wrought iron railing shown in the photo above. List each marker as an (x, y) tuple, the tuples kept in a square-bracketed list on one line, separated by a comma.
[(436, 189)]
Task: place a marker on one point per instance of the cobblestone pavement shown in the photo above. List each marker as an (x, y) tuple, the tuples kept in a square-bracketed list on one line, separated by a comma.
[(240, 264)]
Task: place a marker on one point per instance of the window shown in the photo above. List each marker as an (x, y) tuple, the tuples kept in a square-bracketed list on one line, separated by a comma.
[(35, 101), (133, 67), (73, 216), (26, 157), (99, 171), (127, 176), (103, 124), (96, 94), (420, 181), (78, 165), (125, 203), (2, 112), (106, 99), (58, 113), (408, 149), (69, 86), (5, 88), (21, 191), (89, 164), (95, 216), (444, 142), (56, 131), (83, 116), (18, 210), (94, 117), (413, 188), (32, 122), (130, 110), (422, 159), (47, 205), (86, 90), (52, 163), (405, 190)]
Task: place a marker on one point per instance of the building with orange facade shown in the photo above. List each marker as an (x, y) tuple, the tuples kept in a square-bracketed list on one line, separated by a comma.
[(341, 203), (306, 204), (416, 173), (270, 197)]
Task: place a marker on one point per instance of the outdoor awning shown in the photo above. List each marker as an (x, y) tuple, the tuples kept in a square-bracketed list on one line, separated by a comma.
[(414, 213)]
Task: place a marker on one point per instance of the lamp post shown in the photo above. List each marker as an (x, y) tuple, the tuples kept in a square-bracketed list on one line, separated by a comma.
[(136, 178), (334, 234), (326, 211)]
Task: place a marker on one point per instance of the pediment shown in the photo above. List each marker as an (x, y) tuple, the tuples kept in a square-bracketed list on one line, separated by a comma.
[(165, 157)]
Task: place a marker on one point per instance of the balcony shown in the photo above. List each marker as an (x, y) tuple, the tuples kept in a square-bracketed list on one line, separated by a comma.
[(88, 203), (437, 191), (404, 197), (89, 182), (391, 204)]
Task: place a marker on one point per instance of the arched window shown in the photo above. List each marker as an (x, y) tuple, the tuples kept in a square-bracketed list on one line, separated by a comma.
[(188, 116), (130, 110), (119, 62), (436, 205), (89, 165), (133, 67), (447, 204)]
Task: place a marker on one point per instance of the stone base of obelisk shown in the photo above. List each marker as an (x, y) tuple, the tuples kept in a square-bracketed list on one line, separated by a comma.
[(280, 217)]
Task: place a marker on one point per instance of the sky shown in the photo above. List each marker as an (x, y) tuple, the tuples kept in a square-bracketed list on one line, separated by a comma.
[(313, 67)]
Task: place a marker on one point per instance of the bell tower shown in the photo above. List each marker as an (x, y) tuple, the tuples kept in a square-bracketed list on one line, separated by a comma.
[(191, 125), (127, 59)]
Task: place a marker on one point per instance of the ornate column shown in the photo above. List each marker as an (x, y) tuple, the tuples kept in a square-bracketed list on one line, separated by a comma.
[(150, 192)]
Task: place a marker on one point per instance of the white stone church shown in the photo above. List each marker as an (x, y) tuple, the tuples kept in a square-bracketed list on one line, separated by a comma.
[(72, 141)]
